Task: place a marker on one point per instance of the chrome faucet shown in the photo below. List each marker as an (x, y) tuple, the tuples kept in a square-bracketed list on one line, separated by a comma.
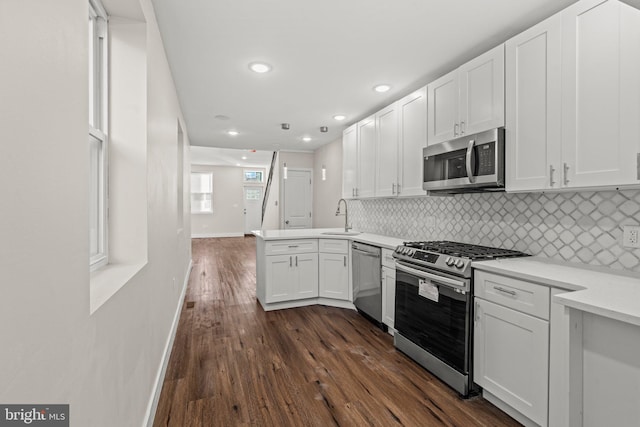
[(346, 214)]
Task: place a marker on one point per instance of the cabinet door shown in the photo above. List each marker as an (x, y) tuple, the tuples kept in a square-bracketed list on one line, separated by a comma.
[(481, 86), (387, 151), (442, 111), (366, 157), (388, 295), (533, 110), (350, 161), (511, 358), (334, 276), (280, 280), (600, 94), (305, 276), (412, 111)]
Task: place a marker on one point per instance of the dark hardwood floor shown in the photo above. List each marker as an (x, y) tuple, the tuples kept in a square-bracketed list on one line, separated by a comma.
[(232, 364)]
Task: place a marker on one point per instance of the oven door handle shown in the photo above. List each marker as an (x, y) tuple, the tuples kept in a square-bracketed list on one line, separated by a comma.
[(425, 275)]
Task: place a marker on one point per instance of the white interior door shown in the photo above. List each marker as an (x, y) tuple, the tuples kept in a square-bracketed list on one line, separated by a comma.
[(297, 199), (252, 208)]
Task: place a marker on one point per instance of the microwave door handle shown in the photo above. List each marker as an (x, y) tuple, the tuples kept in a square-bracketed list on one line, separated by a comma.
[(472, 177)]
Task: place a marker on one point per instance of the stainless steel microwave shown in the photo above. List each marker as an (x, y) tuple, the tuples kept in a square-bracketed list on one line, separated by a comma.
[(471, 163)]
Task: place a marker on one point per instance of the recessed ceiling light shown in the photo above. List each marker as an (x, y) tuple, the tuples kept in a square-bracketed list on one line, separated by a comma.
[(339, 117), (232, 132), (306, 138), (221, 117), (259, 67), (244, 157), (381, 88)]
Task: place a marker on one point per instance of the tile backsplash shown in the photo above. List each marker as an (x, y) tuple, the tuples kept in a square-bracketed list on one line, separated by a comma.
[(581, 227)]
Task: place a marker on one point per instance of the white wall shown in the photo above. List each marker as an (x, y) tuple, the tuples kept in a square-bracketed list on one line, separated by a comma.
[(227, 218), (327, 193), (53, 351)]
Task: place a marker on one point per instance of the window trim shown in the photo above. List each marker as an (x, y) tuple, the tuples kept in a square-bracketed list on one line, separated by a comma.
[(98, 125)]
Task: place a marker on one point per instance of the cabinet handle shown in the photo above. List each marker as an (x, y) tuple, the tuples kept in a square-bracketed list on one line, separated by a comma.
[(455, 129), (506, 291), (293, 246), (393, 189), (290, 262), (397, 189), (345, 260), (462, 128), (551, 171), (566, 174), (477, 316), (353, 192), (296, 260)]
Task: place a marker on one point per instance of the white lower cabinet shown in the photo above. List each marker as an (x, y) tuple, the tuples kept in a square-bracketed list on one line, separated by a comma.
[(334, 276), (388, 288), (291, 270), (291, 277), (388, 296), (511, 346)]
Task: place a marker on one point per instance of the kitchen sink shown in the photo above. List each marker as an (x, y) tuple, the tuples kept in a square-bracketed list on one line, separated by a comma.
[(342, 233)]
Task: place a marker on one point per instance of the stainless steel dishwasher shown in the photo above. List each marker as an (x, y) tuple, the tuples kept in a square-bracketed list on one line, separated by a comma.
[(367, 283)]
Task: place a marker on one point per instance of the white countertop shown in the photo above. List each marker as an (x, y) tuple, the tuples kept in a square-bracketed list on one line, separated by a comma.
[(317, 233), (601, 291)]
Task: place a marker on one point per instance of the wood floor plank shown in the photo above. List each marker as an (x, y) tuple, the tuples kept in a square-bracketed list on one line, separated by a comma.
[(233, 364)]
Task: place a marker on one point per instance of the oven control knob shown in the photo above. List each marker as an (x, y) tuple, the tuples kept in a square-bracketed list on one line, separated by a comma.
[(449, 261), (459, 263), (412, 252)]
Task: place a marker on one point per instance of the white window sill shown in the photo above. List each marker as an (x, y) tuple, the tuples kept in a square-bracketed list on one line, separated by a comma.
[(108, 280)]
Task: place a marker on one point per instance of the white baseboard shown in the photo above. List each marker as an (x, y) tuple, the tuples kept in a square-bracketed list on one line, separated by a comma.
[(162, 370), (212, 235)]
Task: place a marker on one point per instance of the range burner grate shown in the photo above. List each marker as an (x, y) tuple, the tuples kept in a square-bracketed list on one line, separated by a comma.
[(463, 250)]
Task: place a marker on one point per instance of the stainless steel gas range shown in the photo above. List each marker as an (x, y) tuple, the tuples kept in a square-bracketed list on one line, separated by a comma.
[(434, 306)]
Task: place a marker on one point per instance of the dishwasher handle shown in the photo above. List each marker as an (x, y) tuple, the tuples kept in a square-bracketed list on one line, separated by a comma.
[(365, 253)]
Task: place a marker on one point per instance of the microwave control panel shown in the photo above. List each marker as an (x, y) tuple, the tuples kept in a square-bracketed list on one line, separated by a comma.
[(486, 155)]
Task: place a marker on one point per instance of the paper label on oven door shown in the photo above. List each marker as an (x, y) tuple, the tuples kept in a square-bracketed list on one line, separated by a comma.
[(428, 290)]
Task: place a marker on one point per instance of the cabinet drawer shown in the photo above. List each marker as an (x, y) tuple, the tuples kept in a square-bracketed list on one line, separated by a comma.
[(520, 295), (279, 247), (387, 259), (334, 246)]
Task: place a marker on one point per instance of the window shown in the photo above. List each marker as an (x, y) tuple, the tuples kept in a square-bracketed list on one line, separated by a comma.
[(252, 176), (201, 192), (98, 149), (253, 193)]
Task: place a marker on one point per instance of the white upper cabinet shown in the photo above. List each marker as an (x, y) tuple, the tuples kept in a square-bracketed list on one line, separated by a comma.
[(533, 103), (573, 100), (412, 110), (350, 161), (387, 151), (366, 157), (443, 108), (600, 94), (469, 99), (481, 85)]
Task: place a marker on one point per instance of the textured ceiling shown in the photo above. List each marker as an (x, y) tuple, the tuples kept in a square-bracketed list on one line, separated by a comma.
[(326, 57)]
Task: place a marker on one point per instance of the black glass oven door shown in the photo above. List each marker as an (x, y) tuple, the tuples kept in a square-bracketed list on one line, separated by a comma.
[(442, 327)]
